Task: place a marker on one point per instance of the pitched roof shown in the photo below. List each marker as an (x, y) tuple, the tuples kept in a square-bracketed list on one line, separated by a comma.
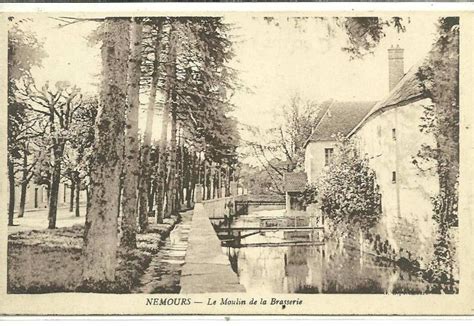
[(294, 181), (322, 111), (340, 117), (407, 90)]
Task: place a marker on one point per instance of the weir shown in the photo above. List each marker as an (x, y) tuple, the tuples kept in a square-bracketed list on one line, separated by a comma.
[(207, 269)]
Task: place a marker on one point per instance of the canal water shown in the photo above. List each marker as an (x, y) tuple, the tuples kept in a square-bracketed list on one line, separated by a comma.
[(273, 262)]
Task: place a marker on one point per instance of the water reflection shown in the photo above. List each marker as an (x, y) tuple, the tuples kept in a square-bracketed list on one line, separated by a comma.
[(276, 267)]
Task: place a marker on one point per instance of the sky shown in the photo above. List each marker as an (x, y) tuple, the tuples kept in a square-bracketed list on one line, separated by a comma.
[(274, 62)]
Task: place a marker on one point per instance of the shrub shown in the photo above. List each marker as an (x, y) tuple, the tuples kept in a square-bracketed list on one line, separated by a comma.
[(347, 191)]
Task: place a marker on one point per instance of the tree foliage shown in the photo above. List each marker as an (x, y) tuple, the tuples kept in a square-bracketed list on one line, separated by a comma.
[(347, 191), (282, 148), (365, 33), (440, 81), (24, 52)]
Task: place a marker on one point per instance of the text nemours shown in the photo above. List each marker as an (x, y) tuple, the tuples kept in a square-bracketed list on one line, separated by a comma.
[(225, 301)]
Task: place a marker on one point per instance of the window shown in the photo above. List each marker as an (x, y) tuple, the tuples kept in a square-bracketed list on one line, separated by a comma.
[(328, 152), (295, 203), (394, 134), (394, 177)]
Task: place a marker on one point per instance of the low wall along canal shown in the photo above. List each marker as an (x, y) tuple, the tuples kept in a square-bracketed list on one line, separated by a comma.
[(207, 269)]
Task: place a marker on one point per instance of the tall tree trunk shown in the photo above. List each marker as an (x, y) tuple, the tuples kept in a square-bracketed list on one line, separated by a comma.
[(24, 185), (11, 186), (78, 192), (161, 175), (151, 195), (167, 192), (220, 180), (71, 196), (145, 201), (170, 77), (153, 179), (88, 198), (183, 175), (179, 173), (58, 150), (100, 234), (132, 146), (192, 176), (53, 196), (143, 194), (173, 161), (227, 180), (211, 181), (204, 180)]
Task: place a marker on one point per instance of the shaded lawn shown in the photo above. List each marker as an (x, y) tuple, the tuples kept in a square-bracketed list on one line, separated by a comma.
[(43, 261)]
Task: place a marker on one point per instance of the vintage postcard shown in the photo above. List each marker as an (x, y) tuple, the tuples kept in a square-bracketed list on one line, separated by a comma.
[(236, 162)]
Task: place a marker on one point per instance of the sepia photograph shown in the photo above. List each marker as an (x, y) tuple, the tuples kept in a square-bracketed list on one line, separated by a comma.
[(261, 154)]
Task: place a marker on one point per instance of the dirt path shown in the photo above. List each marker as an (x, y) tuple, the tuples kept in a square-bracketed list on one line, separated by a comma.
[(163, 273)]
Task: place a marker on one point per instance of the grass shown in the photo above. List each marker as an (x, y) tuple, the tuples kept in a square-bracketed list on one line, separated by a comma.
[(44, 261)]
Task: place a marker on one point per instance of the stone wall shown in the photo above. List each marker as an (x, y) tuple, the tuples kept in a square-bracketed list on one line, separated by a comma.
[(391, 142), (219, 207)]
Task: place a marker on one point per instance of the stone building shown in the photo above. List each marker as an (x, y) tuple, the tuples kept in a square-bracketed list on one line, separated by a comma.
[(37, 196), (388, 134), (338, 118), (390, 137)]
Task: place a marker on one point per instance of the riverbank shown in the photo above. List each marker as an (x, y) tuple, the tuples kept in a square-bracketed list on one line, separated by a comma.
[(164, 271), (42, 261)]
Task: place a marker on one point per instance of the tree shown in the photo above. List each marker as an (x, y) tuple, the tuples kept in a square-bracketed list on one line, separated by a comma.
[(132, 145), (192, 76), (100, 234), (170, 70), (24, 52), (440, 81), (281, 149), (195, 83), (78, 152), (28, 163), (365, 33), (145, 199), (58, 106), (347, 191)]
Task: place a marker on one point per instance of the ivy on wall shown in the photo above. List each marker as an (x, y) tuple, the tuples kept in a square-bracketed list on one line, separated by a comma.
[(440, 81)]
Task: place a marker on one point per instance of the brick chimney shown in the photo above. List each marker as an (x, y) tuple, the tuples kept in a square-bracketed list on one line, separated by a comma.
[(395, 66)]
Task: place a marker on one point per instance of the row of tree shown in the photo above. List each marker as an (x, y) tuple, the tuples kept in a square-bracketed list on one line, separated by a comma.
[(94, 141), (50, 128)]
